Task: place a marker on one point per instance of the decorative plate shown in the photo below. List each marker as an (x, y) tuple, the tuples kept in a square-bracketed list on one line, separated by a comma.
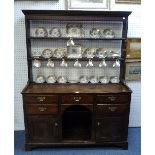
[(101, 53), (41, 32), (51, 79), (74, 30), (55, 32), (113, 54), (47, 53), (108, 33), (89, 52), (95, 33), (40, 79), (60, 53)]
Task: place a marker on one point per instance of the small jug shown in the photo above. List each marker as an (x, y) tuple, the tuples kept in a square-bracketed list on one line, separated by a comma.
[(103, 64)]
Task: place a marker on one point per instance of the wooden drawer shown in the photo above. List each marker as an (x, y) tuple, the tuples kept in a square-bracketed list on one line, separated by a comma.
[(77, 99), (41, 109), (106, 108), (39, 99), (112, 98)]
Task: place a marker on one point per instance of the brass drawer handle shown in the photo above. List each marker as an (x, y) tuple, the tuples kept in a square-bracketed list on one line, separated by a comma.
[(77, 99), (41, 98), (98, 123), (42, 109), (56, 124), (112, 108), (112, 98)]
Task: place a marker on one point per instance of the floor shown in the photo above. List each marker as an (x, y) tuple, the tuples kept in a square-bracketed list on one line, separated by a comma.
[(133, 149)]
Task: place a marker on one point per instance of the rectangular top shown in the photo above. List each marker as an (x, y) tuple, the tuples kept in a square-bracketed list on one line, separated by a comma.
[(75, 88), (78, 13)]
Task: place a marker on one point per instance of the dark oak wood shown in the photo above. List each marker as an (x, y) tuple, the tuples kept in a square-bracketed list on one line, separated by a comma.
[(76, 114)]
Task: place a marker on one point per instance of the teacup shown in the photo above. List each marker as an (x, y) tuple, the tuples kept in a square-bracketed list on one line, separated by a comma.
[(63, 63), (50, 63), (36, 63), (77, 63), (90, 63)]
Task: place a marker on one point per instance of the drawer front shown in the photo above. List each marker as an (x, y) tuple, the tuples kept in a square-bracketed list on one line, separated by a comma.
[(106, 108), (77, 99), (40, 99), (112, 98), (41, 109)]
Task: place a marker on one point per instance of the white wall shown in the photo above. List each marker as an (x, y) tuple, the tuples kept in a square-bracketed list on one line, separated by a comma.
[(21, 62)]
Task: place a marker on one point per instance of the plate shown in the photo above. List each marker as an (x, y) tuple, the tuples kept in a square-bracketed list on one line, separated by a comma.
[(108, 33), (60, 53), (104, 79), (55, 32), (62, 79), (93, 79), (51, 79), (83, 79), (74, 30), (101, 53), (89, 53), (41, 32), (114, 79), (47, 53), (95, 33), (113, 54), (40, 79)]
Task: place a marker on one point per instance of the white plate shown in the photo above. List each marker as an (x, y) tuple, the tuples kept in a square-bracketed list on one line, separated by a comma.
[(55, 32), (95, 33), (74, 30), (47, 53), (41, 32), (108, 33)]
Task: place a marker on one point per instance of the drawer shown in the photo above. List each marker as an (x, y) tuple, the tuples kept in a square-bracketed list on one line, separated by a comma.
[(39, 99), (112, 98), (41, 109), (77, 99), (106, 108)]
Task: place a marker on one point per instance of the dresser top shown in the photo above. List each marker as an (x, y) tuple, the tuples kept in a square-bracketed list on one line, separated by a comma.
[(75, 88)]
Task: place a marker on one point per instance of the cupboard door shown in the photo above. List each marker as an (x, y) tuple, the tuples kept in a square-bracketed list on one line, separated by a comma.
[(109, 129), (42, 129)]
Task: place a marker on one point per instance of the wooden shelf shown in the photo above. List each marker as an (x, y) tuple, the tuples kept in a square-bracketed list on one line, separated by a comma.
[(74, 38), (73, 59)]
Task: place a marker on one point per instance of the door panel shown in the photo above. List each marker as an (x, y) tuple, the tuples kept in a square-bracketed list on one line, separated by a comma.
[(42, 129), (109, 129)]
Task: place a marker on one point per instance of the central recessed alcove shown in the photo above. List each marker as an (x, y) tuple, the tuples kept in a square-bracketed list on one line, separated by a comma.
[(76, 123)]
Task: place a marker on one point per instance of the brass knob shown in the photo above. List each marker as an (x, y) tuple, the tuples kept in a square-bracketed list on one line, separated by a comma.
[(77, 99), (112, 98), (56, 124), (112, 108), (41, 98), (98, 123), (42, 109)]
